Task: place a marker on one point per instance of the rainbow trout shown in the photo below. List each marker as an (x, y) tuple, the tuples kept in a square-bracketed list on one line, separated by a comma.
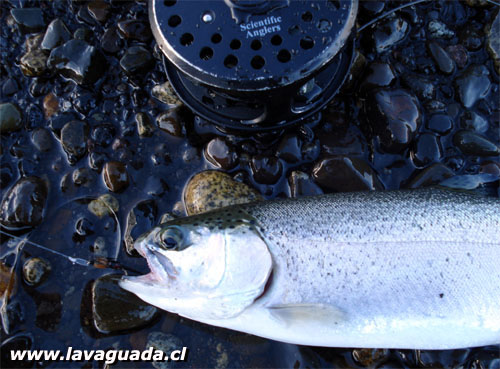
[(391, 269)]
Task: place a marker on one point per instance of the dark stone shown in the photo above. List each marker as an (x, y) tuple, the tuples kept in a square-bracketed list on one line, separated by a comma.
[(459, 54), (34, 117), (10, 87), (23, 205), (344, 174), (5, 175), (221, 154), (424, 87), (266, 169), (29, 20), (493, 41), (348, 141), (136, 59), (471, 143), (74, 140), (97, 160), (427, 150), (58, 121), (111, 42), (83, 177), (289, 148), (155, 187), (440, 123), (56, 35), (378, 75), (431, 175), (115, 176), (302, 185), (10, 118), (16, 342), (474, 122), (135, 30), (115, 309), (103, 134), (83, 34), (442, 59), (35, 271), (78, 61), (373, 7), (169, 121), (42, 139), (438, 29), (370, 357), (470, 38), (99, 10), (388, 34), (141, 219), (473, 84), (144, 126), (48, 311), (395, 116)]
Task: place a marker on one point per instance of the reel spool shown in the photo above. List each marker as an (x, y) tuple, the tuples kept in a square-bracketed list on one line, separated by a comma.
[(255, 65)]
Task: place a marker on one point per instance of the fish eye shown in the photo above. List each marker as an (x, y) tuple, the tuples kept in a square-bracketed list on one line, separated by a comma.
[(171, 238)]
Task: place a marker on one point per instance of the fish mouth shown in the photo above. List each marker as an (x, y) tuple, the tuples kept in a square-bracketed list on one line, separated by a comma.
[(162, 269)]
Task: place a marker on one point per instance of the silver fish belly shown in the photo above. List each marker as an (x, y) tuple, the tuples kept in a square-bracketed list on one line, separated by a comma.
[(395, 269)]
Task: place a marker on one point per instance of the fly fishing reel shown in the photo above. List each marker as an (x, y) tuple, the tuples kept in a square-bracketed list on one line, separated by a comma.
[(255, 64)]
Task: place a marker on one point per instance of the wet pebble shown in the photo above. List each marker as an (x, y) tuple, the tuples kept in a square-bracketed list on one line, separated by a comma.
[(136, 59), (99, 10), (155, 187), (35, 271), (348, 141), (471, 143), (78, 61), (459, 54), (83, 34), (111, 42), (165, 342), (344, 174), (430, 176), (473, 85), (83, 177), (114, 309), (29, 20), (115, 176), (165, 93), (23, 205), (289, 148), (50, 105), (169, 122), (103, 134), (438, 29), (144, 126), (427, 150), (470, 38), (440, 123), (389, 33), (10, 87), (378, 75), (57, 34), (221, 154), (6, 275), (493, 41), (370, 357), (424, 87), (474, 122), (33, 63), (301, 184), (10, 118), (212, 189), (395, 115), (42, 139), (140, 219), (74, 140), (441, 57), (266, 169), (5, 174), (135, 30), (104, 205)]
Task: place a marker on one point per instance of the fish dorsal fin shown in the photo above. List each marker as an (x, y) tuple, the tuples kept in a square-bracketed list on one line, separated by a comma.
[(307, 314)]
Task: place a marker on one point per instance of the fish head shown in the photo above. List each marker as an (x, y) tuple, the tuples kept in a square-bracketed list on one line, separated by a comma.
[(209, 266)]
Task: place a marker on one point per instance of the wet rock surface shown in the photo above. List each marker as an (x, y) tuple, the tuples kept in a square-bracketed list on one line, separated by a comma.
[(115, 309), (35, 271), (10, 118), (131, 115), (24, 203)]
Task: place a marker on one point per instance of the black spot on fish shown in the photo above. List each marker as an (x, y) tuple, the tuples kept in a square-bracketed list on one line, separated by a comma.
[(441, 295)]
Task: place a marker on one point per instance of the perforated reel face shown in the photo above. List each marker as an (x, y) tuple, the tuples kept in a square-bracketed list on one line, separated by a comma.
[(232, 61)]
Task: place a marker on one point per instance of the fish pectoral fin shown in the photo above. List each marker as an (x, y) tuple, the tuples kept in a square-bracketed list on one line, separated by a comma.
[(298, 314)]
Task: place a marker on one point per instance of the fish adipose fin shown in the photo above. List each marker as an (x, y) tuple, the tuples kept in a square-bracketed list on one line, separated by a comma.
[(307, 314)]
